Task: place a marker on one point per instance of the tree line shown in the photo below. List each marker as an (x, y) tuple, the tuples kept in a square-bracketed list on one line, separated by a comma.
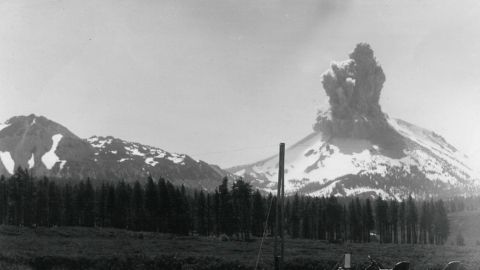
[(233, 210)]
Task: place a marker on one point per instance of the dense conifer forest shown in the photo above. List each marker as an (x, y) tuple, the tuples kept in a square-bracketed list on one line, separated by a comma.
[(234, 210)]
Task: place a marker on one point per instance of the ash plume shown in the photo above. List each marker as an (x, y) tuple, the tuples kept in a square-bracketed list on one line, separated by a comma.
[(353, 87)]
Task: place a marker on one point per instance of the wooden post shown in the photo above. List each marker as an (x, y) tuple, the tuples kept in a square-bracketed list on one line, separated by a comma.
[(280, 218)]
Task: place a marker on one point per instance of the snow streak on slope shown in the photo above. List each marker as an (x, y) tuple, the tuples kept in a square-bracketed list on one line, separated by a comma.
[(3, 126), (31, 162), (7, 161), (436, 144), (50, 158), (129, 151)]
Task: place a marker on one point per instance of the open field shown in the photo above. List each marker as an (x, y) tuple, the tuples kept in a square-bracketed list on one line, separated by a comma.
[(468, 224), (91, 248)]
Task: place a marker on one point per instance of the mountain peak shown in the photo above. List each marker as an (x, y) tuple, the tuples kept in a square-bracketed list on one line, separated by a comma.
[(37, 124)]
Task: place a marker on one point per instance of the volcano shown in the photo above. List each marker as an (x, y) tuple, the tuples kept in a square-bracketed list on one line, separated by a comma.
[(358, 150)]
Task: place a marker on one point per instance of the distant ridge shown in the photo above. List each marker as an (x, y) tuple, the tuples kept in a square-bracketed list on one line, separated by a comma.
[(48, 148)]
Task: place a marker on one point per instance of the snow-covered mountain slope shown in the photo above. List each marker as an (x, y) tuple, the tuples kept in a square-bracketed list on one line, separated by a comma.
[(130, 159), (356, 149), (322, 165), (48, 148)]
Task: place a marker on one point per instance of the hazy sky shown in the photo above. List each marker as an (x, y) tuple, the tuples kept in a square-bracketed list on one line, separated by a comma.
[(226, 81)]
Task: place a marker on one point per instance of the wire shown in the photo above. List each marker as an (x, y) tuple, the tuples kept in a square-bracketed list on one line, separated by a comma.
[(241, 149), (233, 150), (264, 233)]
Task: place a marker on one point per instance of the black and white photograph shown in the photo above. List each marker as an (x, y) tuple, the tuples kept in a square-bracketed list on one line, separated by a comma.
[(240, 134)]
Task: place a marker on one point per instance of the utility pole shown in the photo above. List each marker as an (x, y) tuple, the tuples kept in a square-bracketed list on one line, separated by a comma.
[(280, 218)]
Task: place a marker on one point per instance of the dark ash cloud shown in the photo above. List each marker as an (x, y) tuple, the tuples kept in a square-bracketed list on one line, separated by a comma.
[(353, 88)]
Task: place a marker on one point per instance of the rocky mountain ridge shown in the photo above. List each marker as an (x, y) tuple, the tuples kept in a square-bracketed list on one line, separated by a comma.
[(48, 148)]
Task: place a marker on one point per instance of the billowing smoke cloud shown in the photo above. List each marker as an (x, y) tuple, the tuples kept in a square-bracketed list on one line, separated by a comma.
[(353, 88)]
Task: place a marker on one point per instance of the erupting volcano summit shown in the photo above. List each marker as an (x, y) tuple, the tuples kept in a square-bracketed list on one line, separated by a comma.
[(356, 149)]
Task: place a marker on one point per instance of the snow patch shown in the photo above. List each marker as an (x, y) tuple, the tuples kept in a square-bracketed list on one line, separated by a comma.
[(177, 158), (133, 150), (150, 161), (31, 162), (240, 173), (3, 126), (62, 163), (98, 142), (326, 191), (7, 161), (361, 190), (50, 158), (158, 152)]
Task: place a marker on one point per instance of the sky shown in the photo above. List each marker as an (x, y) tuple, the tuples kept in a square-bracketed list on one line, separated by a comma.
[(225, 81)]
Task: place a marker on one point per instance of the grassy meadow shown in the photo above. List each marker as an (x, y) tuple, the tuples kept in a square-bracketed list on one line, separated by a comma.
[(92, 248)]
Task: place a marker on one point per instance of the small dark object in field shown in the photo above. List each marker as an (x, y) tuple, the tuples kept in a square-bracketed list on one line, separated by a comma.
[(401, 266), (455, 265), (140, 236), (337, 241), (224, 237), (374, 265)]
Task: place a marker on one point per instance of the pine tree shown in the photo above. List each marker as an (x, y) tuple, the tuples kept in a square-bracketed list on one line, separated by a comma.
[(411, 221), (137, 207), (271, 202), (241, 199), (226, 221), (54, 204), (110, 206), (181, 218), (29, 199), (69, 206), (42, 204), (151, 204), (393, 220), (216, 212), (353, 222), (13, 205), (402, 222), (79, 203), (442, 228), (210, 214), (102, 205), (201, 217), (89, 204), (258, 214), (164, 205), (172, 210), (423, 219), (295, 217), (121, 206), (3, 200), (369, 220), (381, 210)]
